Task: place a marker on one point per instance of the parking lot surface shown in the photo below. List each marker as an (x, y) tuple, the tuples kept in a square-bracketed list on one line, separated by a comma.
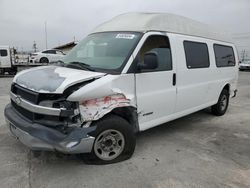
[(199, 150)]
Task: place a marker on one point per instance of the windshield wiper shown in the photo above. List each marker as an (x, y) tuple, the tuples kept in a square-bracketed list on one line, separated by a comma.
[(79, 65)]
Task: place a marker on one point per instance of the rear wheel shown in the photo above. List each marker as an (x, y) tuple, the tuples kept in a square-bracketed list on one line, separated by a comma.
[(221, 106), (114, 141)]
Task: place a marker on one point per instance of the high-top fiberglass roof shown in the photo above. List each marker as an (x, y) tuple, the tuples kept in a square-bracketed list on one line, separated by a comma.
[(143, 22)]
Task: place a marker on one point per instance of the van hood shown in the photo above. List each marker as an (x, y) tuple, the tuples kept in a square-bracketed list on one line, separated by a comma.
[(53, 79)]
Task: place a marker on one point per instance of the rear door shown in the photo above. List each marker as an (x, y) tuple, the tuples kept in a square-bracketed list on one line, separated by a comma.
[(155, 89), (5, 58), (51, 55), (59, 55)]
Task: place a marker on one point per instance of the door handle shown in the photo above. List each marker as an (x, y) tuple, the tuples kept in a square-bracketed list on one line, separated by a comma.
[(174, 79)]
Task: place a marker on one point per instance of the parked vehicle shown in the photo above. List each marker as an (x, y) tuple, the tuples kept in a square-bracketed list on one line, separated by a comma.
[(132, 73), (46, 56), (245, 65), (7, 60)]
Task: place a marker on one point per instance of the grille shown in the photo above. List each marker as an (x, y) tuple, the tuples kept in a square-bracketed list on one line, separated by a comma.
[(34, 98), (26, 94)]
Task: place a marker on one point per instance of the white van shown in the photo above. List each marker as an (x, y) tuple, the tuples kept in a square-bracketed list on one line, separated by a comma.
[(137, 71), (7, 60)]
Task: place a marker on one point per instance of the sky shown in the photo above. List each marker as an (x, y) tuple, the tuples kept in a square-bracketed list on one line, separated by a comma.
[(23, 22)]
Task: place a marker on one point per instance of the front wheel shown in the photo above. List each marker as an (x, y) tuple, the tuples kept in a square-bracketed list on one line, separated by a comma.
[(115, 141), (44, 60), (221, 106)]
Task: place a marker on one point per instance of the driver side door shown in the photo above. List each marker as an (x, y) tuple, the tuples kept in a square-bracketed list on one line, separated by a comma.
[(155, 88)]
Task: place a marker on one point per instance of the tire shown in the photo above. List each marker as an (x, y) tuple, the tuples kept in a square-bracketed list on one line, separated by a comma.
[(221, 106), (44, 60), (115, 141), (12, 73)]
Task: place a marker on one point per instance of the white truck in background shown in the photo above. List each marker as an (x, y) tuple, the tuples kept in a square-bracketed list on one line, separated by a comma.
[(11, 61), (7, 60)]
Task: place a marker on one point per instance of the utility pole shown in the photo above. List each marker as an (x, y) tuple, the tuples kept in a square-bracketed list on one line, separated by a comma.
[(34, 46), (46, 39)]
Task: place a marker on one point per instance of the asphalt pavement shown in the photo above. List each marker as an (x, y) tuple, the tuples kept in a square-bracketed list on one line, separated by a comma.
[(199, 150)]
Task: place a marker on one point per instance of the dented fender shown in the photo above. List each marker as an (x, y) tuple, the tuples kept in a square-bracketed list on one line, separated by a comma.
[(95, 109), (101, 96)]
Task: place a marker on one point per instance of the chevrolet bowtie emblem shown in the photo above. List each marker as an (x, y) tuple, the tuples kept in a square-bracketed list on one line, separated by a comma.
[(18, 100)]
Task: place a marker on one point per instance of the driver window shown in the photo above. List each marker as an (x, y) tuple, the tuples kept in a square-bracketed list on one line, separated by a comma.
[(159, 45)]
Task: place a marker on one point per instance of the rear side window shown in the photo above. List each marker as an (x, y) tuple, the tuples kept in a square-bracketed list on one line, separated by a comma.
[(59, 52), (49, 52), (196, 54), (224, 56), (3, 53)]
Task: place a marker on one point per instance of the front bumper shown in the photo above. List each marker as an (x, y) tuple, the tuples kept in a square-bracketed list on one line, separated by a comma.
[(40, 137), (34, 60)]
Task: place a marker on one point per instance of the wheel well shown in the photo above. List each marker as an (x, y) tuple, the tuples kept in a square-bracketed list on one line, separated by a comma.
[(43, 58), (227, 87), (129, 114)]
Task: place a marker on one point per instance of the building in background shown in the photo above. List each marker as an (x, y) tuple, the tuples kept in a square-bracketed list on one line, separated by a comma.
[(65, 48)]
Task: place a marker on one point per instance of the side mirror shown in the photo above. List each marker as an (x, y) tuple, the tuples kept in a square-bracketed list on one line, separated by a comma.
[(150, 61)]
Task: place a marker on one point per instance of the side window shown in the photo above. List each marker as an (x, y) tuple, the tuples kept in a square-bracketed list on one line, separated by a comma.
[(224, 56), (196, 55), (52, 51), (49, 52), (3, 53), (159, 45)]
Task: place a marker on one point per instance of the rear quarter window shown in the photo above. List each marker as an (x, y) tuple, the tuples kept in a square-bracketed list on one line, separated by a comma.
[(224, 56)]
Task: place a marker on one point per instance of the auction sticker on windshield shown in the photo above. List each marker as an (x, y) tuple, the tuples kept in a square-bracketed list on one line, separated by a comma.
[(125, 36)]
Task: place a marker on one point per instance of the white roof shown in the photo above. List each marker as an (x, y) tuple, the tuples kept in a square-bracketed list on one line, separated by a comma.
[(143, 22)]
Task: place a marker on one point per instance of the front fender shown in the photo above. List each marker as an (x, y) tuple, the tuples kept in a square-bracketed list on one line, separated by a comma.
[(95, 109)]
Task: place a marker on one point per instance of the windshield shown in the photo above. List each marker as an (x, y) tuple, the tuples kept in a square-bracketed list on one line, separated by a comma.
[(104, 52)]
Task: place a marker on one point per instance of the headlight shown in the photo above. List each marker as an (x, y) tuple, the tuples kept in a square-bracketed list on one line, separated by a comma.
[(68, 105)]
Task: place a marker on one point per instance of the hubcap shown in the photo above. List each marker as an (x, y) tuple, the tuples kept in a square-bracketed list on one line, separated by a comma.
[(109, 144), (223, 103)]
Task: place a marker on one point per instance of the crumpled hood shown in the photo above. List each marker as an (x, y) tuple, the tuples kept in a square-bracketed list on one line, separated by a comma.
[(53, 79)]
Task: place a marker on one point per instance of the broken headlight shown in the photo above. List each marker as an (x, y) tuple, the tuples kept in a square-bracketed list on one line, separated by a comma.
[(70, 109)]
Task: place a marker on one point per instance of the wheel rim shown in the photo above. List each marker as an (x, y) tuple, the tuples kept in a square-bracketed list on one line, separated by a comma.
[(43, 60), (223, 103), (109, 144)]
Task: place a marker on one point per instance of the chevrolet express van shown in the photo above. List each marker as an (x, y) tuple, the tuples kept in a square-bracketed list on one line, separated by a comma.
[(132, 73)]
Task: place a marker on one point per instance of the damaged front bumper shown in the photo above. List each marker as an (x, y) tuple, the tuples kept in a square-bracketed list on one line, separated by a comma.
[(40, 137)]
